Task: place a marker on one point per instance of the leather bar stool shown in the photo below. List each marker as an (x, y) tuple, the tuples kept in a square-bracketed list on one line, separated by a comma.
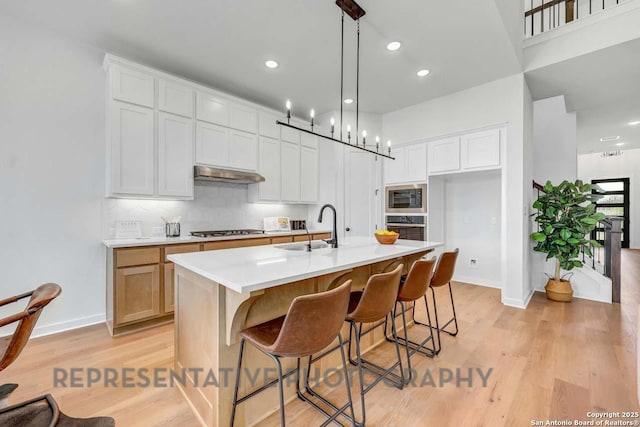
[(442, 276), (412, 289), (374, 304), (312, 323)]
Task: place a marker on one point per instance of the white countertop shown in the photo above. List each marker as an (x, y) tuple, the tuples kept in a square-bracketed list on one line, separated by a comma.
[(161, 240), (260, 267)]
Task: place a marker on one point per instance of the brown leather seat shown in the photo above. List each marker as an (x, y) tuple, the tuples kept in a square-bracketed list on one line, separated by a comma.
[(412, 289), (442, 276), (11, 346), (312, 323), (41, 410), (26, 319), (374, 304)]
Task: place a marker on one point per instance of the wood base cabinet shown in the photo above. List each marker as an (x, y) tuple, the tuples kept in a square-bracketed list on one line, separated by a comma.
[(137, 293), (140, 280)]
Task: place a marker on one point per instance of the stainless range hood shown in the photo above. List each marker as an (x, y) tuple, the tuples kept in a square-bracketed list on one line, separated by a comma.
[(207, 173)]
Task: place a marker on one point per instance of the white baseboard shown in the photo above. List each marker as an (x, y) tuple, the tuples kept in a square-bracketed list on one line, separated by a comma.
[(517, 303), (480, 282), (67, 325)]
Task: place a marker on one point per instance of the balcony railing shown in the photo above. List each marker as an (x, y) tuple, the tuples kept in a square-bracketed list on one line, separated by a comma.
[(545, 15)]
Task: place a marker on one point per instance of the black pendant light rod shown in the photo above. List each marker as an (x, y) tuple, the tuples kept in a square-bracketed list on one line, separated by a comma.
[(334, 140), (358, 83), (341, 70)]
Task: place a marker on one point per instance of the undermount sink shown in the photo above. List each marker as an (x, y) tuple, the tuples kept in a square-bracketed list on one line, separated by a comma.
[(302, 246)]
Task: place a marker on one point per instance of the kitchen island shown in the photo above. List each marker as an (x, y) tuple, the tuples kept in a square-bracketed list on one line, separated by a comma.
[(219, 293)]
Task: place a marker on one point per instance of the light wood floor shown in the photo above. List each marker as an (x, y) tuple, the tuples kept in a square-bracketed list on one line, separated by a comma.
[(551, 361)]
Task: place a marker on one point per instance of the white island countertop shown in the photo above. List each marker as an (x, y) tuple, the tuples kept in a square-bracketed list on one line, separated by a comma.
[(259, 267)]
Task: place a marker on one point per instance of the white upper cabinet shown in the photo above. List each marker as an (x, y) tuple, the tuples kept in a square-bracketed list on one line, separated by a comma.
[(132, 86), (309, 175), (290, 135), (269, 167), (212, 144), (416, 162), (394, 169), (472, 151), (175, 98), (308, 140), (243, 150), (175, 155), (243, 118), (444, 155), (268, 126), (131, 150), (290, 180), (481, 149), (212, 109), (410, 164)]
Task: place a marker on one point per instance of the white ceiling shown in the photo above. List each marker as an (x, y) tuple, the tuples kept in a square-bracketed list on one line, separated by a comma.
[(603, 87), (224, 43)]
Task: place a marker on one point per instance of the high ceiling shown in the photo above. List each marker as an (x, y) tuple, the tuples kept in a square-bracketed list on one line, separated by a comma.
[(224, 43), (603, 87)]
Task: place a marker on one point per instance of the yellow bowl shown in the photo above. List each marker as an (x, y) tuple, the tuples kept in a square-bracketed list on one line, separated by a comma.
[(387, 239)]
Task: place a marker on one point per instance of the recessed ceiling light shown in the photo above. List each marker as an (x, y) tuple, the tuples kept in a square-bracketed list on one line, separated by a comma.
[(633, 123), (609, 138), (620, 144), (271, 63), (348, 101), (394, 46), (423, 73)]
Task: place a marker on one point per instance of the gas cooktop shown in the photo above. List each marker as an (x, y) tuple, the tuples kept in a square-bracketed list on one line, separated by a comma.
[(222, 233)]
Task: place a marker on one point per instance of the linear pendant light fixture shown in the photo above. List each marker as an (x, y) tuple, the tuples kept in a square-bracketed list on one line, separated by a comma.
[(351, 8)]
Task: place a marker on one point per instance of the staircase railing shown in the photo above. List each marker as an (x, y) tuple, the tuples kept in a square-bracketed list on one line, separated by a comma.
[(607, 259), (546, 15)]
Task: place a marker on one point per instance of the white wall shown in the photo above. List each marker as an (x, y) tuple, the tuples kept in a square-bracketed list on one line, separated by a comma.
[(52, 171), (500, 102), (472, 211), (593, 166), (555, 153), (555, 158)]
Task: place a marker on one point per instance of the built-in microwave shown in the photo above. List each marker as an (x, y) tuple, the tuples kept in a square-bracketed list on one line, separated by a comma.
[(411, 198)]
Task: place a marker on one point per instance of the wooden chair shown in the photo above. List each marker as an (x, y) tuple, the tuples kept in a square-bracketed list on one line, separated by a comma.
[(43, 410), (12, 346)]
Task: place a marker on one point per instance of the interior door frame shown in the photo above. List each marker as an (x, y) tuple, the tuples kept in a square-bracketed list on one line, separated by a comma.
[(626, 207)]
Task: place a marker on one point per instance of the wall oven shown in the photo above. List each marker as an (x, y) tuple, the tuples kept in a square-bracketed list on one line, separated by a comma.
[(405, 199), (410, 227)]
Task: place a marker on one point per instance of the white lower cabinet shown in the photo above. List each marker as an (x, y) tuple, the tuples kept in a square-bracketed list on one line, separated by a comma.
[(131, 150), (175, 155), (290, 180)]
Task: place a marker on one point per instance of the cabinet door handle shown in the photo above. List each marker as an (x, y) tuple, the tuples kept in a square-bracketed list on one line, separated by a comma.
[(347, 229)]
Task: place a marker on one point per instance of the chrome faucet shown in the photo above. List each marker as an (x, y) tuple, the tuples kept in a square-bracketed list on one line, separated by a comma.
[(334, 240)]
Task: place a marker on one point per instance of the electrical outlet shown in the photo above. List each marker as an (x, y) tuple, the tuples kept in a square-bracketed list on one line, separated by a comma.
[(473, 263)]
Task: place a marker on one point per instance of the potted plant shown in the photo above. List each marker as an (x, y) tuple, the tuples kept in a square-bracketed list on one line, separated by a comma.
[(566, 216)]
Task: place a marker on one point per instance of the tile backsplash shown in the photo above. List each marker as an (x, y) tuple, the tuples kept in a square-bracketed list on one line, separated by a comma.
[(216, 206)]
